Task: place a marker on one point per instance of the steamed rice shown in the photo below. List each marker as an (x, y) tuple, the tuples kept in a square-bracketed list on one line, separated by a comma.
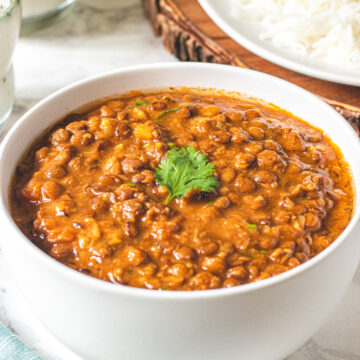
[(326, 29)]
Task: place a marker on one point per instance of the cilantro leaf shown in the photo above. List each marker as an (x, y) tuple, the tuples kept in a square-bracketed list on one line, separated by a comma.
[(185, 169), (251, 226), (139, 102), (166, 112)]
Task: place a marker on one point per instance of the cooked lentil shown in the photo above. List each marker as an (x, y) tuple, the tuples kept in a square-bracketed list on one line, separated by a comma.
[(86, 192)]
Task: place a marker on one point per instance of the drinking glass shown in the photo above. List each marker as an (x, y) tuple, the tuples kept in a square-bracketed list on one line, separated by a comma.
[(10, 20)]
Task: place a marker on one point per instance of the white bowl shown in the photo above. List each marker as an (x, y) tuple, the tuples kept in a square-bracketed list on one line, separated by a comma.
[(99, 320)]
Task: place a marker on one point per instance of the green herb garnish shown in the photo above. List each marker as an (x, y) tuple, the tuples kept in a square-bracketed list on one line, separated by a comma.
[(164, 288), (146, 145), (139, 102), (171, 145), (264, 252), (129, 271), (246, 255), (166, 112), (131, 184), (185, 169), (251, 226)]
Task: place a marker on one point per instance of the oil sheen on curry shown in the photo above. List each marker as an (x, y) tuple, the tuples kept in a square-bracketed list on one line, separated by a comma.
[(183, 189)]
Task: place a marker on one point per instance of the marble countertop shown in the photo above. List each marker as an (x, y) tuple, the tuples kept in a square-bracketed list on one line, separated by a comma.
[(85, 42)]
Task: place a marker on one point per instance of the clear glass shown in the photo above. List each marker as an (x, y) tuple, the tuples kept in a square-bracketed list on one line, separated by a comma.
[(39, 10), (10, 20)]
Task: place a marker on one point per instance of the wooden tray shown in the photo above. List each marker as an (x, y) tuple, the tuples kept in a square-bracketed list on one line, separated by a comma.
[(190, 35)]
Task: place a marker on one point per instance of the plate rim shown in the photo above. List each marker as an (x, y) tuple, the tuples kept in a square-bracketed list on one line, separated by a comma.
[(237, 36)]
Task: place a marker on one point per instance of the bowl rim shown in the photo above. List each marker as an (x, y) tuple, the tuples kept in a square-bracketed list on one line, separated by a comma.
[(118, 289)]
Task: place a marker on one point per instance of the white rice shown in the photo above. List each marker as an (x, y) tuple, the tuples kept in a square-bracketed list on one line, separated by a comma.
[(326, 29)]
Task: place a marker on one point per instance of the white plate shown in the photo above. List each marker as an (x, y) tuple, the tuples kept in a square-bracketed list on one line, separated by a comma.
[(246, 33)]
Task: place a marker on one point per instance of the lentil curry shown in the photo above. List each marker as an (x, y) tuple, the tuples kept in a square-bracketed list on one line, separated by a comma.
[(276, 191)]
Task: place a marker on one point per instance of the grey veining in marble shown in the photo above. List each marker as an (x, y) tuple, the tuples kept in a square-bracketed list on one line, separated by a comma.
[(86, 42)]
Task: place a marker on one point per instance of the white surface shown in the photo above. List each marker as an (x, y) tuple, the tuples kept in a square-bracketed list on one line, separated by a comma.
[(107, 4), (247, 33), (33, 8), (51, 59)]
